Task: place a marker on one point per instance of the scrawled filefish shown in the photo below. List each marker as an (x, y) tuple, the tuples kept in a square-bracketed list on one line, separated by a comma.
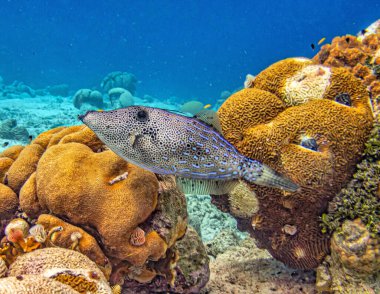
[(190, 148)]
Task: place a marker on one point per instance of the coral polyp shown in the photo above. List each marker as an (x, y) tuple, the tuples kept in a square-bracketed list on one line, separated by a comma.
[(137, 237)]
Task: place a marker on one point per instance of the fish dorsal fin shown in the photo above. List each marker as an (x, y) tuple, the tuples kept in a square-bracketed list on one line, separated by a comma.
[(205, 187), (210, 118), (178, 112)]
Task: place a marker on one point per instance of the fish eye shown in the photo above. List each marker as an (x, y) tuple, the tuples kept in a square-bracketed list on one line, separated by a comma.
[(142, 115)]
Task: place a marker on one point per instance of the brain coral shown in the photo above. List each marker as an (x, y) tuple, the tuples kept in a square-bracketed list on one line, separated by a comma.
[(71, 180), (60, 176), (87, 96), (32, 284), (316, 144), (66, 266), (296, 81), (360, 55), (119, 79)]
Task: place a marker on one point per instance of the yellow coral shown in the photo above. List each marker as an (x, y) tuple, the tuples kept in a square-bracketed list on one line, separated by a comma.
[(5, 164)]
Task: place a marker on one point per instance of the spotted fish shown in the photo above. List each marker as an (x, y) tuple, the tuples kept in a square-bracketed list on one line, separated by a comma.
[(190, 148)]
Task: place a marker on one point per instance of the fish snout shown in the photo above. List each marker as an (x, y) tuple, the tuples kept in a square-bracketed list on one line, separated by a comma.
[(82, 116)]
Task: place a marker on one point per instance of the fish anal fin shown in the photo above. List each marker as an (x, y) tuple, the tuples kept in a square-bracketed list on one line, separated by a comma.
[(205, 187)]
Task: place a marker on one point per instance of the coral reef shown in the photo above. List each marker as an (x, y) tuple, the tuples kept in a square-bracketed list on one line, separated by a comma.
[(88, 199), (317, 144), (119, 79), (63, 265), (11, 131), (244, 268), (354, 264), (17, 90), (360, 55), (87, 96)]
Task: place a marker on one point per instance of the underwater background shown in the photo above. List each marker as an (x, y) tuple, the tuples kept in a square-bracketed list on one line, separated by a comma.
[(254, 63), (187, 49)]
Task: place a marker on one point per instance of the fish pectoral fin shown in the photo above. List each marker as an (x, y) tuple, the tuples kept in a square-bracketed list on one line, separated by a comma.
[(133, 139), (205, 187), (210, 118)]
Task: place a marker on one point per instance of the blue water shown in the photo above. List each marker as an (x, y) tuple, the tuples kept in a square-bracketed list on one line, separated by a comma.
[(189, 49)]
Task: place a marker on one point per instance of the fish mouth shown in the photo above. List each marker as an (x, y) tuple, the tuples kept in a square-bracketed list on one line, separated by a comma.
[(81, 117)]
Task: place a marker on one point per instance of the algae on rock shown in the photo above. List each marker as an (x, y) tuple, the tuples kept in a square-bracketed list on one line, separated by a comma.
[(360, 199)]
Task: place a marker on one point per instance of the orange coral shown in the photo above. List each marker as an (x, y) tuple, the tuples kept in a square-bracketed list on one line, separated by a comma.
[(8, 202), (86, 245), (24, 166), (43, 139), (316, 144), (28, 197), (12, 152), (7, 157)]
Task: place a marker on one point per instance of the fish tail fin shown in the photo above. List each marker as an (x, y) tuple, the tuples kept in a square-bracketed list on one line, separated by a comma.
[(258, 173)]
